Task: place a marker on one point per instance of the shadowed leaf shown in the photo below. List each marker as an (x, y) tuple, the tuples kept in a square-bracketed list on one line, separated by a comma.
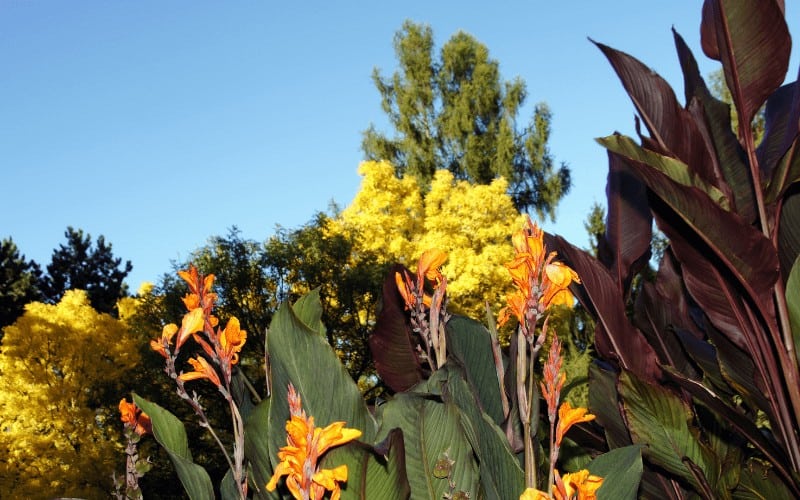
[(391, 342)]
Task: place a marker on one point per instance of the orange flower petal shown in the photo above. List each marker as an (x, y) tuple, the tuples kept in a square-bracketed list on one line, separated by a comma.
[(193, 322), (430, 262), (569, 416), (202, 369)]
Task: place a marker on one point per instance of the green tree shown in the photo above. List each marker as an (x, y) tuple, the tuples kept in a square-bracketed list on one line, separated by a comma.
[(348, 277), (79, 265), (19, 282), (63, 369), (457, 113)]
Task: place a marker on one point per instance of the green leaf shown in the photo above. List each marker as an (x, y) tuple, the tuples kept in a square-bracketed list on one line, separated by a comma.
[(500, 472), (308, 309), (430, 429), (256, 450), (171, 434), (303, 357), (603, 402), (372, 472), (758, 482), (673, 168), (227, 487), (471, 344), (658, 419), (793, 303), (621, 470)]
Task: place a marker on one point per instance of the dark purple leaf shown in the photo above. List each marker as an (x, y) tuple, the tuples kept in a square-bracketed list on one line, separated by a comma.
[(670, 126), (626, 247), (789, 231), (391, 342), (615, 338), (744, 250), (713, 119), (753, 43), (781, 143)]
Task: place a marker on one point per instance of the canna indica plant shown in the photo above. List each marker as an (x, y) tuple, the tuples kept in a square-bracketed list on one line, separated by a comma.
[(700, 365), (461, 419)]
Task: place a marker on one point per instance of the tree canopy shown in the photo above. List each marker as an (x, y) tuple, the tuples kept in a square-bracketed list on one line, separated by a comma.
[(455, 112), (65, 365)]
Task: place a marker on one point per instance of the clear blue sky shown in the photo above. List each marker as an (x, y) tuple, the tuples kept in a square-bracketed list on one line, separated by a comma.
[(158, 124)]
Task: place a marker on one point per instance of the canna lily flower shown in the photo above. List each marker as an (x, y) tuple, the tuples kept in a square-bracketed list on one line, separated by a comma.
[(231, 341), (193, 322), (553, 378), (161, 344), (534, 494), (579, 485), (569, 416), (201, 370), (133, 416), (306, 443), (540, 281), (428, 267)]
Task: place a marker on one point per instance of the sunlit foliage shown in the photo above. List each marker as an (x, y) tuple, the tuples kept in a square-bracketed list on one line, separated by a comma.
[(61, 367), (472, 223)]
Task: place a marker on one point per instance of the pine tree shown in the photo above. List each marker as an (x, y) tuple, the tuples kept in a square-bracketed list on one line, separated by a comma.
[(79, 265), (19, 282)]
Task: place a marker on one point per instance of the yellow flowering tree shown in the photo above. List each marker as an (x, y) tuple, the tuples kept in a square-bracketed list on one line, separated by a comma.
[(472, 223), (61, 368)]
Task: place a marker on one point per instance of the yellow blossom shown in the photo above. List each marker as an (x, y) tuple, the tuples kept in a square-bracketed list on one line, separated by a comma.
[(569, 416), (306, 443), (579, 485), (534, 494)]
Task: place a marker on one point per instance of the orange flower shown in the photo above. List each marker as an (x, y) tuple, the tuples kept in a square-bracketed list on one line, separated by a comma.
[(553, 378), (540, 281), (428, 267), (579, 485), (430, 263), (193, 322), (231, 341), (306, 443), (167, 333), (201, 370), (132, 416), (569, 416)]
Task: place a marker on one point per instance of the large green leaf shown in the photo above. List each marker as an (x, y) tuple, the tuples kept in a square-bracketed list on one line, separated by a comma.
[(433, 434), (660, 420), (752, 40), (256, 450), (470, 343), (789, 231), (301, 356), (758, 482), (673, 168), (377, 473), (793, 303), (309, 310), (500, 471), (621, 470), (604, 404), (171, 434)]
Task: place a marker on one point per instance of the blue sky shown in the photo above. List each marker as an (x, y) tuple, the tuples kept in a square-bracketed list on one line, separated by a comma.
[(159, 124)]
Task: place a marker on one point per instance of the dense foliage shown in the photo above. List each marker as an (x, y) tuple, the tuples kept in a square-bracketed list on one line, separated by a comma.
[(456, 113), (19, 282), (65, 365)]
